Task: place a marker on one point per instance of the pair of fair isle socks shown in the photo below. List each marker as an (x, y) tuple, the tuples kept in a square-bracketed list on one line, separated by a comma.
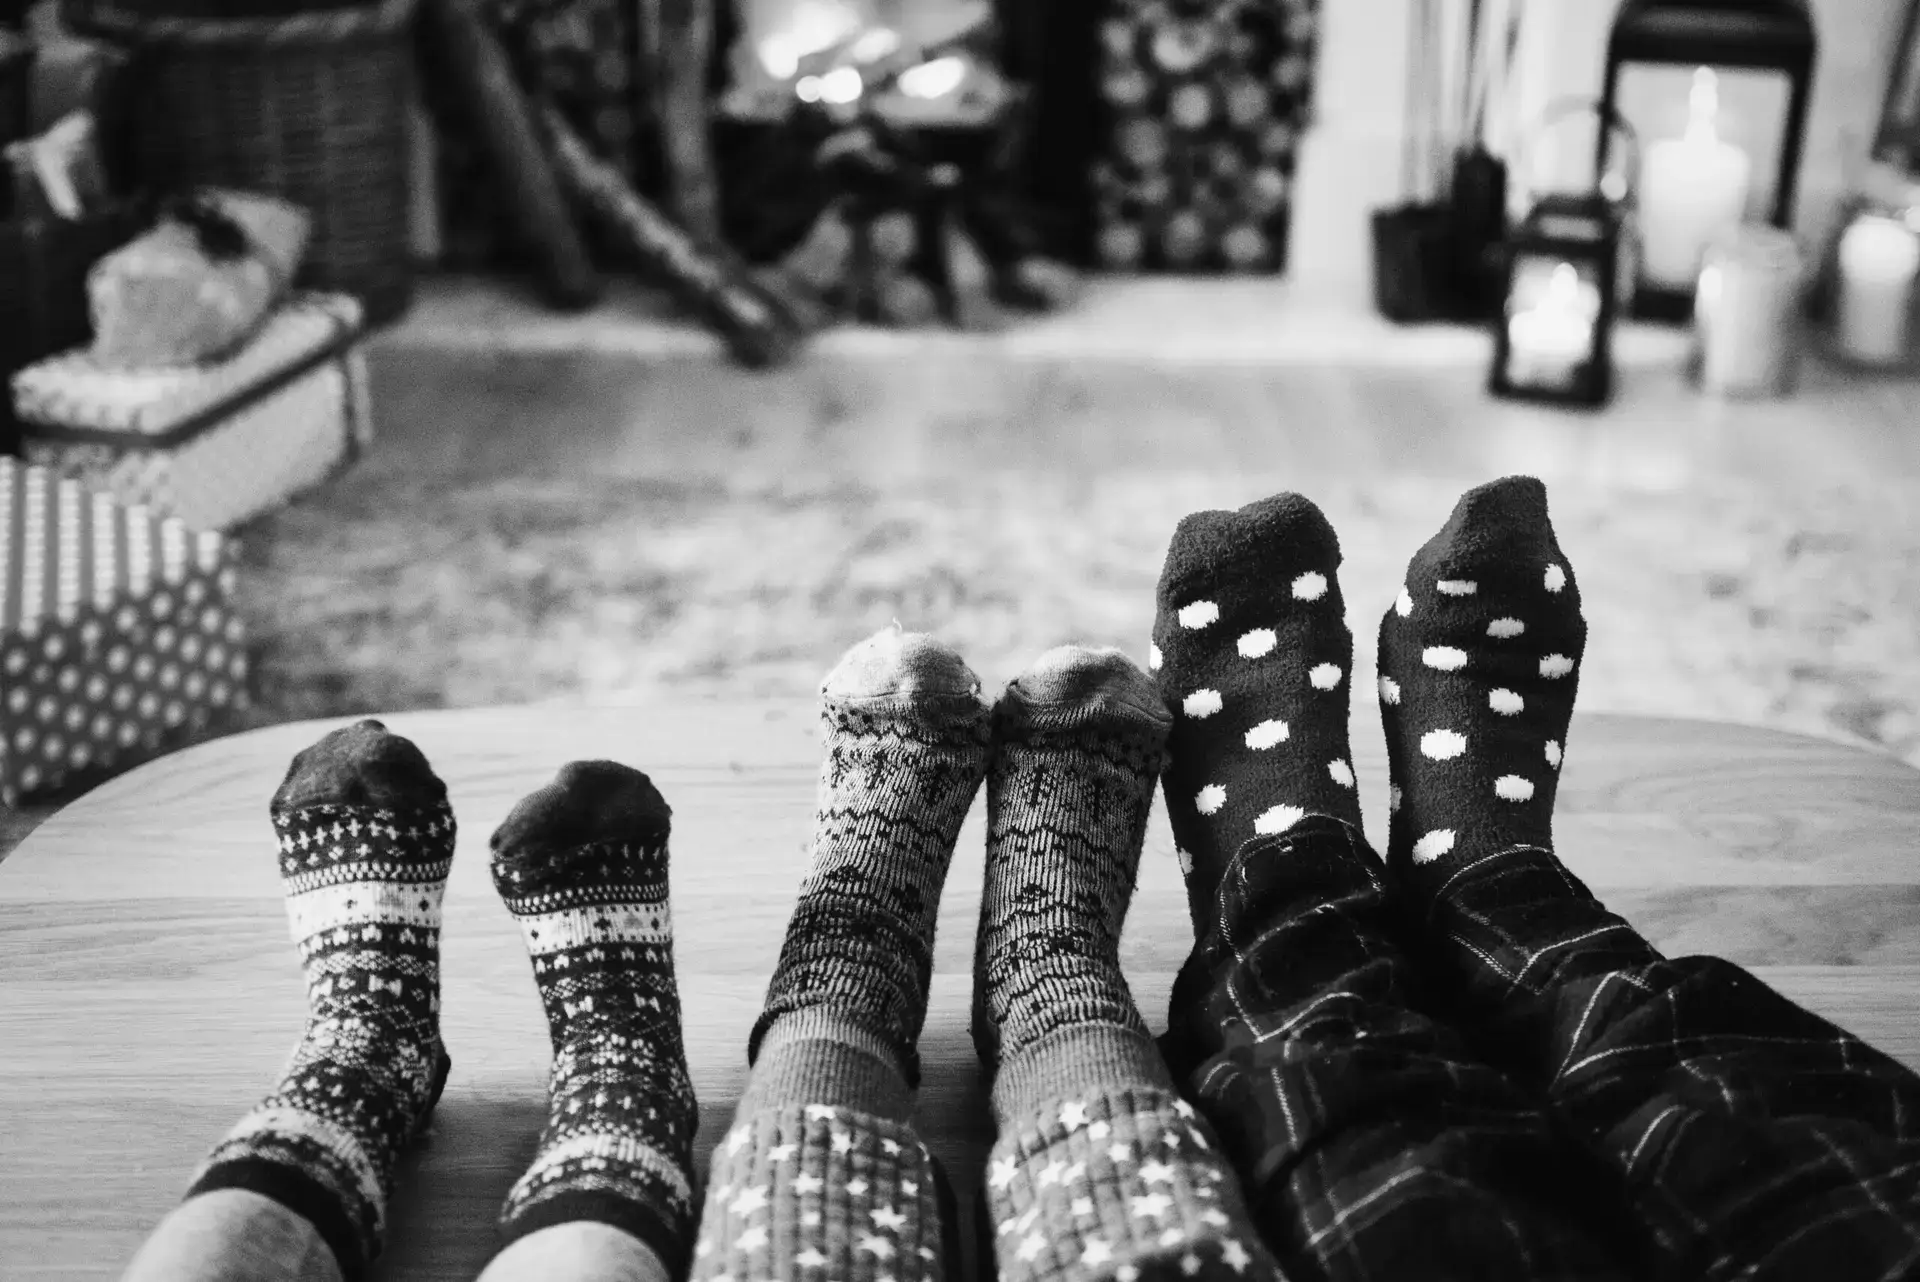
[(366, 843), (1478, 663), (1100, 1170)]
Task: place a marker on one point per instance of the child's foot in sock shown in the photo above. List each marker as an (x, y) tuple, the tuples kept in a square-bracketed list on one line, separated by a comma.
[(821, 1175), (1479, 661), (582, 866), (906, 749), (1100, 1170), (1253, 656), (366, 840)]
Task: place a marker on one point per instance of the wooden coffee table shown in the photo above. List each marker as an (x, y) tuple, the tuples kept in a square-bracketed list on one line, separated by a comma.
[(149, 993)]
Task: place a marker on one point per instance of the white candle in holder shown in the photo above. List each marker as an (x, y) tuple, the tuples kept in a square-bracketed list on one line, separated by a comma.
[(1692, 189), (1879, 261)]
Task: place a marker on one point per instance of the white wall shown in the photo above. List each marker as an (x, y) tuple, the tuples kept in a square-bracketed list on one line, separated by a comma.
[(1350, 163)]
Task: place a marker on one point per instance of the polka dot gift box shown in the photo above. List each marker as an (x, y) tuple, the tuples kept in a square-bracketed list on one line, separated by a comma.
[(211, 444), (117, 632)]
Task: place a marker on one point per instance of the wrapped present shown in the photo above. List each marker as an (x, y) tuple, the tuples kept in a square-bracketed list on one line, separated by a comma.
[(198, 285), (117, 632), (211, 444)]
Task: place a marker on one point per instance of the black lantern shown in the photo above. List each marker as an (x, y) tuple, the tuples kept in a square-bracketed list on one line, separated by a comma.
[(1553, 340), (1717, 91)]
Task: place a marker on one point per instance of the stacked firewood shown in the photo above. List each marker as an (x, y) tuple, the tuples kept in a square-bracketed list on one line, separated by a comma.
[(907, 244)]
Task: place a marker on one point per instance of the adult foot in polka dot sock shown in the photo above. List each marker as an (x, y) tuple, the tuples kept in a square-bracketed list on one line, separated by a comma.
[(1252, 654), (1479, 660)]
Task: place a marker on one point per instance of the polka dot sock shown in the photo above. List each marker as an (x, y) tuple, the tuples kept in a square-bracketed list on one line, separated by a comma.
[(1479, 661), (366, 841), (582, 866), (906, 749), (1252, 653)]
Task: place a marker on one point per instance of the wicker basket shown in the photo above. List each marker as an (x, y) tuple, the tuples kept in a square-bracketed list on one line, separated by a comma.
[(311, 107)]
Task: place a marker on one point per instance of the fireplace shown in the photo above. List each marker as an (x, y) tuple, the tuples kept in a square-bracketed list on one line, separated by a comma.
[(1128, 135)]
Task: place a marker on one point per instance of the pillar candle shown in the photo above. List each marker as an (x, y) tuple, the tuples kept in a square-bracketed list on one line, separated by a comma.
[(1879, 263), (1692, 189)]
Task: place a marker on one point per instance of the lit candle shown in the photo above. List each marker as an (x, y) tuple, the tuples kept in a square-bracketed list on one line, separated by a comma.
[(1692, 188), (1879, 262), (1551, 339)]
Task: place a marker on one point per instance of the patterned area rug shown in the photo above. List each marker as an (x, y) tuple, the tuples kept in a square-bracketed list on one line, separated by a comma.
[(1801, 612)]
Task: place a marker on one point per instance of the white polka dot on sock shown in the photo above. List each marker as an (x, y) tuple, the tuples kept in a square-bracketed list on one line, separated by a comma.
[(1505, 702), (1556, 665), (1342, 772), (1389, 690), (1209, 799), (1443, 745), (1403, 604), (1393, 798), (1433, 845), (1199, 614), (1185, 860), (1512, 788), (1201, 704), (1325, 676), (1257, 642), (1457, 587), (1553, 752), (1556, 577), (1310, 586), (1504, 628), (1153, 658), (1278, 819), (1446, 658), (1266, 734)]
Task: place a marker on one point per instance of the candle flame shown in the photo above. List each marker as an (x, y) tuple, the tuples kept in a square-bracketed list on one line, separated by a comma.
[(1703, 105), (875, 44), (840, 86), (934, 79), (813, 25)]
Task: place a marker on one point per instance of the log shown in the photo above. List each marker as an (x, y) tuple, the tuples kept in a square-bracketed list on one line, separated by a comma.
[(678, 49), (482, 82), (707, 279)]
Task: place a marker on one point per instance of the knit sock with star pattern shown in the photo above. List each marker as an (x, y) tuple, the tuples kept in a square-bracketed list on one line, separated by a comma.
[(1100, 1170), (821, 1175), (366, 841), (1479, 662), (582, 866), (1253, 655)]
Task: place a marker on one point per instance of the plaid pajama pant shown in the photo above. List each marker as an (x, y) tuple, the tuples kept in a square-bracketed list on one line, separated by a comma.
[(1509, 1082)]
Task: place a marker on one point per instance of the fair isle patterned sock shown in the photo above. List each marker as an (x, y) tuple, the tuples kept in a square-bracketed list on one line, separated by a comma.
[(1079, 740), (906, 748), (1127, 1185), (582, 866), (1253, 655), (1479, 662), (366, 840), (821, 1179), (1100, 1171), (822, 1193)]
